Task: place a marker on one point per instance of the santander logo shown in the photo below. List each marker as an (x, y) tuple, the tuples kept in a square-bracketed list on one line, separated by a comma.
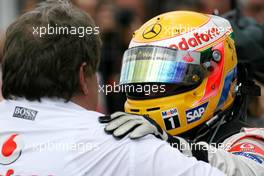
[(10, 148)]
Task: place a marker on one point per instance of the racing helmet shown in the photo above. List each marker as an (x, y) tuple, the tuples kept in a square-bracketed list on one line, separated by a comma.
[(188, 61)]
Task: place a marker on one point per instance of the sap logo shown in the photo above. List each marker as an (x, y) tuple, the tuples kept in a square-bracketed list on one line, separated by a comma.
[(25, 113), (196, 113)]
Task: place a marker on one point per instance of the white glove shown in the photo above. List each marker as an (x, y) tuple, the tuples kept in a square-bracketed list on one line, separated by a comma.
[(120, 124)]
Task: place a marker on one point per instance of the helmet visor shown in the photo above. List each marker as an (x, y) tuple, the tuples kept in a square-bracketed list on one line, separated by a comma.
[(153, 64)]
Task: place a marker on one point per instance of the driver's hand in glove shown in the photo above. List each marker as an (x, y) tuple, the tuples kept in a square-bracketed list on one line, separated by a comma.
[(121, 124)]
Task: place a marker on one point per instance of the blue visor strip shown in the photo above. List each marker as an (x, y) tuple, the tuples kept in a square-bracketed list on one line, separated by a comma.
[(160, 72)]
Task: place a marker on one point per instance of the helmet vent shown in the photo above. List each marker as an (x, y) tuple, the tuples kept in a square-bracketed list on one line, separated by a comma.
[(134, 110), (153, 109)]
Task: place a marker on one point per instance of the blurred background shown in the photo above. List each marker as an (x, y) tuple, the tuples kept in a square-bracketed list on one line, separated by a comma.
[(117, 19)]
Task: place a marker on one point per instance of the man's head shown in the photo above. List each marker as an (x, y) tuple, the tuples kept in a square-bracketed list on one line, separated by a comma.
[(56, 64)]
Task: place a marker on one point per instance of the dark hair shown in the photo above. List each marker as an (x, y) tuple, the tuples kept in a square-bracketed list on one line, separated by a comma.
[(37, 66)]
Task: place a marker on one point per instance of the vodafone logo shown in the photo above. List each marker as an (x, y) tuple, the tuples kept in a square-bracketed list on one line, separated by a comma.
[(10, 148), (196, 39)]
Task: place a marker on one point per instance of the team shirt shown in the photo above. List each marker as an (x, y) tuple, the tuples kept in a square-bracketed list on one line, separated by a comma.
[(55, 138)]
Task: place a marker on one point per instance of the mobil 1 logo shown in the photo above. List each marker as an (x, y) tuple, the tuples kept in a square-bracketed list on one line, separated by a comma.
[(171, 118), (192, 115)]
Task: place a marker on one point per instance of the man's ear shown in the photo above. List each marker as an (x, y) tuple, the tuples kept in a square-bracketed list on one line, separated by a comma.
[(83, 79)]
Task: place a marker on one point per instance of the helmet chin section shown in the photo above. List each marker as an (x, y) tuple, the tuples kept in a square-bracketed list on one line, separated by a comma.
[(176, 113)]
